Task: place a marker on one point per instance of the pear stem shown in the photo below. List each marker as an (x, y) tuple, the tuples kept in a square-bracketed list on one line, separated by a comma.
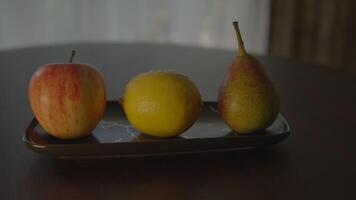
[(242, 50), (72, 56)]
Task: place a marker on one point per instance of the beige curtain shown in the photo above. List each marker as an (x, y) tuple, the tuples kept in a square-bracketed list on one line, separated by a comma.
[(202, 23)]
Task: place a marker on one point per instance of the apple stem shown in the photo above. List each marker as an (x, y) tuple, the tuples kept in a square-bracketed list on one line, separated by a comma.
[(242, 50), (72, 56)]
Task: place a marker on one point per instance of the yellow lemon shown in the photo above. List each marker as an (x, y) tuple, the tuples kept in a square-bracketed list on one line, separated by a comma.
[(161, 103)]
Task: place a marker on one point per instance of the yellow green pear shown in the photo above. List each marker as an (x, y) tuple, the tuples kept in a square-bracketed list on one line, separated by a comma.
[(248, 101)]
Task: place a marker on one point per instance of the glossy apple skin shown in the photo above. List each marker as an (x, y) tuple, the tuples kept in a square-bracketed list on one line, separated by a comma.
[(68, 100)]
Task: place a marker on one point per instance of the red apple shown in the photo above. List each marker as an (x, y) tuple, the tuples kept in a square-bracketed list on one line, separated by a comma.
[(68, 99)]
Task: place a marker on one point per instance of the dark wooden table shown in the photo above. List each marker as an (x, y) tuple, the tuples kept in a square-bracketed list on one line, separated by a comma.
[(316, 162)]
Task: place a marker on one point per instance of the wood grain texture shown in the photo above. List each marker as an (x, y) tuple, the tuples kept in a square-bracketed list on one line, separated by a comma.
[(315, 31)]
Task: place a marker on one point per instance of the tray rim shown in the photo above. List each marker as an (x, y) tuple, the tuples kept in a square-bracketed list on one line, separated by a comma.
[(40, 148)]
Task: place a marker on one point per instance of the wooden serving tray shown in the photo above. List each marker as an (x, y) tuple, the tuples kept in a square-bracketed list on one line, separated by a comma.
[(115, 137)]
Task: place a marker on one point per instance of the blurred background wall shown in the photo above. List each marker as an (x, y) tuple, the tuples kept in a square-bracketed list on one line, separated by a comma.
[(203, 23), (314, 31)]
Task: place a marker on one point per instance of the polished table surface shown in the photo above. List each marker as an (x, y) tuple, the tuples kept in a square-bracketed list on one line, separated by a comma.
[(316, 162)]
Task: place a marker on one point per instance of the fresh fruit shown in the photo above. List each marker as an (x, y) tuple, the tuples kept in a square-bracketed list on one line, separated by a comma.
[(248, 101), (68, 99), (161, 103)]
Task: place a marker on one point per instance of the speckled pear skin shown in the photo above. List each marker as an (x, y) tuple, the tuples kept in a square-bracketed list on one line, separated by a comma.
[(248, 101)]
